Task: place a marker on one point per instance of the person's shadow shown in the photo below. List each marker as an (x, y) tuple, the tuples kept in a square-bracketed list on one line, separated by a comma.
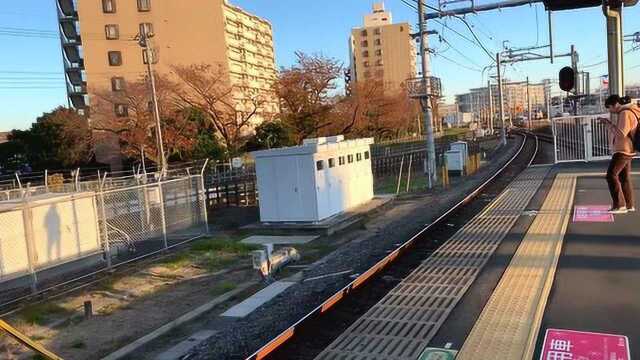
[(52, 224)]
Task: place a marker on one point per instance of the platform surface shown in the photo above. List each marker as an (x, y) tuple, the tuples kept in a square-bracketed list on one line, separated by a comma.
[(574, 268), (403, 322), (526, 264)]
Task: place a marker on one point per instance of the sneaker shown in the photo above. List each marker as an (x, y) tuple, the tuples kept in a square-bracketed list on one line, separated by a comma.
[(620, 210), (631, 209)]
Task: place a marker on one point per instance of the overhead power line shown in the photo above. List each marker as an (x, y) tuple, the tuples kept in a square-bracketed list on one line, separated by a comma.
[(464, 21), (439, 55)]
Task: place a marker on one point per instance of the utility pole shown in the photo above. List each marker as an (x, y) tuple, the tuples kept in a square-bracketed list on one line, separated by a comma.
[(425, 101), (490, 108), (501, 100), (144, 43), (529, 104)]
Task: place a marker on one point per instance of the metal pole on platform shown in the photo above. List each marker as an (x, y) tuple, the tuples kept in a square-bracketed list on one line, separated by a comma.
[(529, 104), (614, 46), (501, 101), (491, 111)]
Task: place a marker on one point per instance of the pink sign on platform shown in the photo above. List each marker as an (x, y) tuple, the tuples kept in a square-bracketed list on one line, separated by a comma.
[(577, 345), (592, 213)]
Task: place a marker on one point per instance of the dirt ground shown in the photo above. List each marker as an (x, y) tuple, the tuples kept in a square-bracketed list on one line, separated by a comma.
[(127, 306)]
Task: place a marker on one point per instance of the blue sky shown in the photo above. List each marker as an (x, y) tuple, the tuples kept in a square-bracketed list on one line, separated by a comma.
[(31, 68)]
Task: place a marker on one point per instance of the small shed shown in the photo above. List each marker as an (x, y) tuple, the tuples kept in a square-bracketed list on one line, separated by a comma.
[(315, 181)]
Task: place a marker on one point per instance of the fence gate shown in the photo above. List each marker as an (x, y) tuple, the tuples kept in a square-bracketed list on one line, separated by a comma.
[(580, 138)]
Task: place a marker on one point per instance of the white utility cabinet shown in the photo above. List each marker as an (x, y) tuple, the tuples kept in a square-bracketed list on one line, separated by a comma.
[(312, 182), (455, 161), (461, 146)]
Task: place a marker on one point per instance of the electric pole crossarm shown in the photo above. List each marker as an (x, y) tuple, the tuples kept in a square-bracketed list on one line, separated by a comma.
[(479, 8)]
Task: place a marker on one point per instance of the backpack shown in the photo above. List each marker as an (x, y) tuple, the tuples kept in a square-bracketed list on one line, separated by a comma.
[(636, 138)]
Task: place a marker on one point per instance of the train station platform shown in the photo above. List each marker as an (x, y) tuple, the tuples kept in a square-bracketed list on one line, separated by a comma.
[(543, 260)]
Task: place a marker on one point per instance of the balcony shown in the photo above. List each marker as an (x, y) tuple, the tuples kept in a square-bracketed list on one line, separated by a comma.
[(68, 8), (75, 76), (69, 29), (78, 100), (424, 87), (72, 53)]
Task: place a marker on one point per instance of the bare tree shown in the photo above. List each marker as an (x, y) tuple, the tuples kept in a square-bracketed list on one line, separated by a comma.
[(233, 110), (373, 111), (305, 90), (128, 115)]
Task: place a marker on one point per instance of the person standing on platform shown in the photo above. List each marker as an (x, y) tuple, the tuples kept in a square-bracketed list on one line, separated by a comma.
[(621, 131)]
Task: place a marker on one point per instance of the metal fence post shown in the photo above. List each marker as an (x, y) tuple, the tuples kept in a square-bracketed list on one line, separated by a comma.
[(204, 206), (205, 197), (105, 224), (163, 215), (31, 250)]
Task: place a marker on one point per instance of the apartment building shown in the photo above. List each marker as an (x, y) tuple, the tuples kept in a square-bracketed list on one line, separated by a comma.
[(101, 52), (515, 98), (382, 51)]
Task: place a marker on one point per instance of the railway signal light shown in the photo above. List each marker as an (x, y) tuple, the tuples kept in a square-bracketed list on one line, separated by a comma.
[(555, 5), (567, 78)]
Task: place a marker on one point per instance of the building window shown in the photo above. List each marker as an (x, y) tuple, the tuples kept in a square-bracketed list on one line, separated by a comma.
[(366, 64), (146, 29), (379, 52), (320, 165), (341, 160), (144, 5), (115, 58), (365, 53), (121, 110), (378, 42), (363, 33), (117, 83), (109, 6), (359, 157), (401, 28), (112, 32), (332, 162), (154, 56), (365, 43), (349, 159), (379, 62), (377, 31), (366, 155)]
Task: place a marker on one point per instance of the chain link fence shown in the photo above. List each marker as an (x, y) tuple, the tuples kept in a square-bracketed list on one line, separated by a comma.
[(51, 239)]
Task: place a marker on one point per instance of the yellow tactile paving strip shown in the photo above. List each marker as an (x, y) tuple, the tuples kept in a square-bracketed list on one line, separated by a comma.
[(402, 323), (509, 324)]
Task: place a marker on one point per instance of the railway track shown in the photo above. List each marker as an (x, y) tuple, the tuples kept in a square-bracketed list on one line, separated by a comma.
[(315, 331)]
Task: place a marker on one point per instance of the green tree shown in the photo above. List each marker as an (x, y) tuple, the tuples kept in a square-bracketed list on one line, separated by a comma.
[(271, 134), (60, 138)]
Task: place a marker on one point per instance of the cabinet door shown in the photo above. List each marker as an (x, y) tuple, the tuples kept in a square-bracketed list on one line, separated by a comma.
[(322, 188), (290, 205)]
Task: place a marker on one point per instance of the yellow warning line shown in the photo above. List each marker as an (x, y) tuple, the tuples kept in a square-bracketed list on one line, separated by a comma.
[(509, 324), (25, 340)]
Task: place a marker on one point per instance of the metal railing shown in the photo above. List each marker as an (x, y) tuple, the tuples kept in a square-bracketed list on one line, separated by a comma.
[(580, 138)]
